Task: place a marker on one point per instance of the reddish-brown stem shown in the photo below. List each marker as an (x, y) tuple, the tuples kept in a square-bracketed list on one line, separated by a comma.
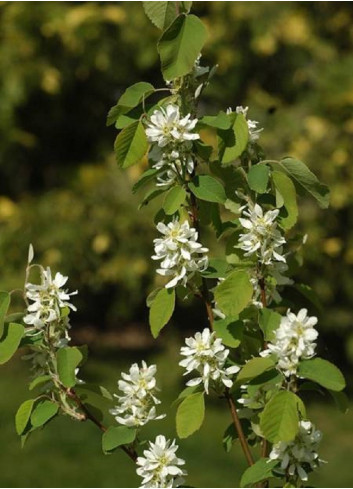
[(208, 305), (238, 427), (88, 415)]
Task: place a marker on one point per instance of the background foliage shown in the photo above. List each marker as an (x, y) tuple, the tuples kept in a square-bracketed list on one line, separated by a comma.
[(65, 64)]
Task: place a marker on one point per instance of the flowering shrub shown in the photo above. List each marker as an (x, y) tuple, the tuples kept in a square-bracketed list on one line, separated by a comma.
[(256, 353)]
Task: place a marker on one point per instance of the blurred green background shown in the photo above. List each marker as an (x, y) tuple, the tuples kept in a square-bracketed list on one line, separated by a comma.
[(63, 65)]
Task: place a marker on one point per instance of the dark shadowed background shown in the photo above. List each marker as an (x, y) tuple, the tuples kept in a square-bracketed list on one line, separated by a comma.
[(62, 66)]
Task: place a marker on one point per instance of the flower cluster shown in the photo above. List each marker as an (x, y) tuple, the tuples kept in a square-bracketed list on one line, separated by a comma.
[(254, 132), (262, 236), (299, 456), (160, 467), (171, 136), (207, 355), (294, 341), (137, 404), (49, 298), (180, 252)]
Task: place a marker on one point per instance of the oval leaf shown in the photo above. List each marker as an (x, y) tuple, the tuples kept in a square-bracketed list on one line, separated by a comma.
[(10, 341), (4, 305), (173, 200), (286, 189), (261, 470), (258, 178), (322, 372), (161, 310), (43, 412), (234, 293), (161, 14), (230, 330), (116, 436), (306, 179), (23, 415), (68, 359), (180, 46), (130, 145), (269, 322), (232, 142), (279, 420), (253, 368), (208, 188), (190, 415), (132, 97)]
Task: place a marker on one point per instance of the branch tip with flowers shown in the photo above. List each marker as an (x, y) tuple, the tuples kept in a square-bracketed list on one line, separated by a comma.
[(255, 351)]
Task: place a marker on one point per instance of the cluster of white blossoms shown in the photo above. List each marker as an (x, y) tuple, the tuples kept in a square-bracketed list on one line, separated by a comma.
[(137, 404), (180, 252), (207, 355), (48, 299), (299, 456), (254, 131), (262, 235), (160, 467), (294, 341), (171, 136)]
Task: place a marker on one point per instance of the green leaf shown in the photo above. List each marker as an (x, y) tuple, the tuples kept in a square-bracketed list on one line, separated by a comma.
[(43, 412), (130, 145), (258, 178), (286, 189), (279, 420), (146, 177), (306, 180), (230, 330), (161, 310), (161, 14), (234, 293), (23, 415), (203, 150), (174, 199), (207, 188), (151, 195), (322, 372), (253, 368), (116, 436), (341, 401), (42, 379), (132, 97), (180, 46), (10, 341), (261, 470), (4, 305), (190, 414), (269, 322), (68, 360), (232, 142), (219, 121), (217, 268), (187, 392)]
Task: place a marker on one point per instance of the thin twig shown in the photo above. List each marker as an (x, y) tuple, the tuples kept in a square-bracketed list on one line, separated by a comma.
[(88, 415)]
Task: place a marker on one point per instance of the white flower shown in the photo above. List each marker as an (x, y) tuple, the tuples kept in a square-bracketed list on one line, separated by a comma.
[(179, 251), (160, 467), (207, 355), (137, 406), (294, 341), (49, 298), (166, 126), (300, 455), (262, 236)]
